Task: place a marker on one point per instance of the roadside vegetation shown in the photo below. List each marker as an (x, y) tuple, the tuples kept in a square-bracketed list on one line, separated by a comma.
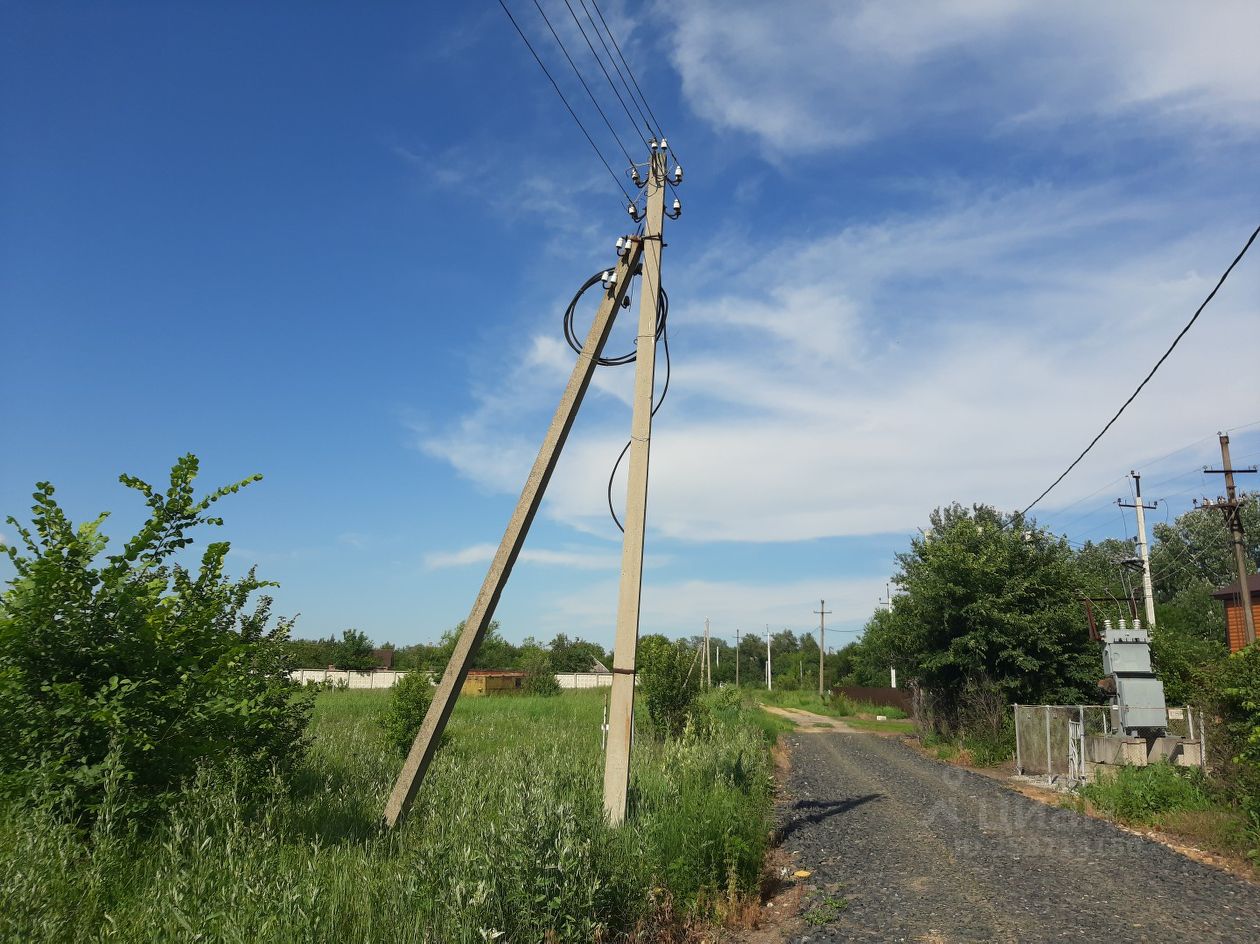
[(162, 778), (988, 615), (507, 837)]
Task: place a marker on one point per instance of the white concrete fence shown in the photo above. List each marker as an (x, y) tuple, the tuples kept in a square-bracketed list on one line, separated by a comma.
[(385, 678)]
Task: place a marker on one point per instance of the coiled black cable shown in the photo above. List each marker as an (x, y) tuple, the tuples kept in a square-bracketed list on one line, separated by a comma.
[(570, 335), (662, 337)]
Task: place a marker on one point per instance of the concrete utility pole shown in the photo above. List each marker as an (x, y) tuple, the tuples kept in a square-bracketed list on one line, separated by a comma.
[(823, 613), (1231, 507), (430, 733), (888, 600), (621, 713), (1147, 592), (708, 671), (737, 657), (769, 673)]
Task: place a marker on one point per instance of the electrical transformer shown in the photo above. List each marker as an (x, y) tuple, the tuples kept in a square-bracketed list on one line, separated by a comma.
[(1137, 696)]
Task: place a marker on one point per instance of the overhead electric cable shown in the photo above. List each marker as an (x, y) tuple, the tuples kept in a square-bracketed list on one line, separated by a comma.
[(624, 84), (600, 62), (1147, 378), (658, 128), (589, 139), (578, 72)]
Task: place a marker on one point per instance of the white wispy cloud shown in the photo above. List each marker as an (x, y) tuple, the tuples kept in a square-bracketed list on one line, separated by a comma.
[(483, 553), (841, 74), (849, 383)]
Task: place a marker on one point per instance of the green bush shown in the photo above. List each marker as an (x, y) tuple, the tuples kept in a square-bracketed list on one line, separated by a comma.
[(669, 684), (540, 675), (1140, 795), (409, 702), (130, 671)]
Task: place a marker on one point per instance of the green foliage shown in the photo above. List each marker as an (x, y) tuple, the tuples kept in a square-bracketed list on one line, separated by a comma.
[(354, 651), (409, 701), (1240, 700), (988, 610), (827, 910), (1197, 549), (507, 841), (669, 683), (576, 655), (540, 675), (130, 671), (1139, 795)]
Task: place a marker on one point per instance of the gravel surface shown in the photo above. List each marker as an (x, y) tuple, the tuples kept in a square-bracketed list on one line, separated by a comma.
[(903, 848)]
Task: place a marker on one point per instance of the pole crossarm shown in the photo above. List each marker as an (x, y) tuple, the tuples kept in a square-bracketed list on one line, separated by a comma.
[(427, 739)]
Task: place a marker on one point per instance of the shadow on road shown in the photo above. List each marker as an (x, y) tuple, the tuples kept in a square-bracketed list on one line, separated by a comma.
[(820, 810)]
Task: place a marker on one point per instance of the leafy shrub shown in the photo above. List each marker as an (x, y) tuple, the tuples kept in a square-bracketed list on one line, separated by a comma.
[(540, 675), (668, 683), (354, 651), (133, 670), (1141, 794), (409, 702), (1232, 690)]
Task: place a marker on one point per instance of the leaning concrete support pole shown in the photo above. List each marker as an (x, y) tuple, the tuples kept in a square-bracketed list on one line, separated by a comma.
[(425, 744)]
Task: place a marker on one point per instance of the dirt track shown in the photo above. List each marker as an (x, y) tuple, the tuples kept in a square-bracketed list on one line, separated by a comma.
[(902, 848)]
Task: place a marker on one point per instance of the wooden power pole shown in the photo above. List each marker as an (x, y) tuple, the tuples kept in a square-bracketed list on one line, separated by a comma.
[(1231, 507), (621, 707), (1148, 592), (822, 612), (425, 744)]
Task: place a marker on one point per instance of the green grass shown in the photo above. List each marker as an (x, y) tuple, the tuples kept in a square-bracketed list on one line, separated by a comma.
[(836, 707), (892, 712), (828, 909), (1141, 795), (507, 837)]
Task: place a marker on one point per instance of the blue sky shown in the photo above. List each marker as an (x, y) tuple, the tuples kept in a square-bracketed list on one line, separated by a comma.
[(923, 257)]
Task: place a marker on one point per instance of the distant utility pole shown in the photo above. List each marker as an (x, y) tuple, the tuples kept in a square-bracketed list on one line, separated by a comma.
[(823, 613), (1231, 507), (707, 671), (737, 657), (621, 712), (887, 600), (1147, 592), (769, 673)]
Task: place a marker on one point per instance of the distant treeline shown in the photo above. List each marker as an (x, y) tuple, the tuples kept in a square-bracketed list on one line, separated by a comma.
[(354, 650)]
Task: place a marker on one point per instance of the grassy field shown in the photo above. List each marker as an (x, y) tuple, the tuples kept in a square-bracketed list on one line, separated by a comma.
[(507, 841)]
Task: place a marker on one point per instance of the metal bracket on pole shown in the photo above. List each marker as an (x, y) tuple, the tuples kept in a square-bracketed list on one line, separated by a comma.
[(425, 744)]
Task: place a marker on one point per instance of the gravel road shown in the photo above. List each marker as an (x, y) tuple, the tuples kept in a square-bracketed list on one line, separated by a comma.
[(903, 848)]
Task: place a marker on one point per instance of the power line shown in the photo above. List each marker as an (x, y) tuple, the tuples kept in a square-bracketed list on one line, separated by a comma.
[(599, 61), (659, 132), (1147, 378), (624, 84), (578, 73), (589, 139)]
